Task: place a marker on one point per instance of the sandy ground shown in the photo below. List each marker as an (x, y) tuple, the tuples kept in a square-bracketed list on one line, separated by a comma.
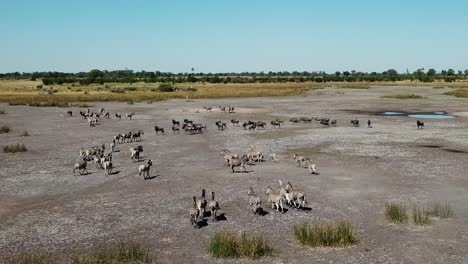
[(42, 205)]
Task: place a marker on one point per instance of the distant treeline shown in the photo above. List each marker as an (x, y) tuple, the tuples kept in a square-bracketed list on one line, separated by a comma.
[(129, 76)]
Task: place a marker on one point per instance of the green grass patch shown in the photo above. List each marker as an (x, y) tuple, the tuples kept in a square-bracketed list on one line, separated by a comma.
[(420, 216), (396, 213), (14, 148), (49, 104), (117, 253), (403, 96), (330, 234), (4, 129), (439, 209), (34, 257), (226, 244)]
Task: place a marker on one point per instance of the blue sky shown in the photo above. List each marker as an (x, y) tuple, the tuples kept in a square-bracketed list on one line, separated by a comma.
[(225, 36)]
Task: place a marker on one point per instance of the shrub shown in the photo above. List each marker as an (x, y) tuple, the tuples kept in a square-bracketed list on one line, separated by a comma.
[(331, 234), (439, 209), (49, 104), (396, 213), (130, 102), (118, 253), (4, 129), (229, 245), (14, 148), (165, 87), (420, 216)]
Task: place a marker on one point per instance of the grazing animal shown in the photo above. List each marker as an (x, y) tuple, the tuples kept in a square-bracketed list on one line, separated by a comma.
[(275, 199), (69, 113), (135, 154), (214, 207), (80, 166), (355, 122), (129, 115), (193, 214), (275, 123), (158, 129), (112, 145), (334, 122), (200, 204), (145, 169), (239, 162), (420, 124), (174, 123), (312, 168), (325, 122), (255, 202), (175, 129), (298, 197), (208, 108), (107, 115), (235, 122), (107, 165), (137, 135), (119, 116), (272, 156), (300, 160), (221, 126)]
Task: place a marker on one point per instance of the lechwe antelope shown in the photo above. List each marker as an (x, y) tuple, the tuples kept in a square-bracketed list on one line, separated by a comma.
[(145, 169), (214, 207), (255, 202), (297, 197), (135, 153), (276, 200), (200, 204)]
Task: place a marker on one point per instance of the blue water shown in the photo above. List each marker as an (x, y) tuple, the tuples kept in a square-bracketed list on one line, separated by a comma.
[(436, 116), (433, 115), (393, 113)]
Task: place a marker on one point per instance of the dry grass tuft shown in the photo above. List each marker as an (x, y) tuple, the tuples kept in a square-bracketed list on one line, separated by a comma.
[(34, 257), (439, 209), (117, 253)]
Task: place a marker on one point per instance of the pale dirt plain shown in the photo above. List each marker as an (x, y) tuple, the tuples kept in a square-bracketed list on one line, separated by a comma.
[(43, 206)]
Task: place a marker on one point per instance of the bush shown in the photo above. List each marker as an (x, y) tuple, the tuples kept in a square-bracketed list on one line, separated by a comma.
[(5, 129), (14, 148), (332, 234), (396, 213), (229, 245), (165, 87), (49, 104), (17, 103), (118, 253)]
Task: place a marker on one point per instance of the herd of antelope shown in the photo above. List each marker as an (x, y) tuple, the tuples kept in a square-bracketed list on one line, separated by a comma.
[(285, 194)]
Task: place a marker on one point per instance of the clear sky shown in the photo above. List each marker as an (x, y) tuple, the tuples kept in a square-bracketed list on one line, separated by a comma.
[(240, 35)]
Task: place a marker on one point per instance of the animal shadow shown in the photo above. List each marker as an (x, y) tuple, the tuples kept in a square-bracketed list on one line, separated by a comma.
[(152, 177), (262, 212), (115, 172), (201, 223)]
